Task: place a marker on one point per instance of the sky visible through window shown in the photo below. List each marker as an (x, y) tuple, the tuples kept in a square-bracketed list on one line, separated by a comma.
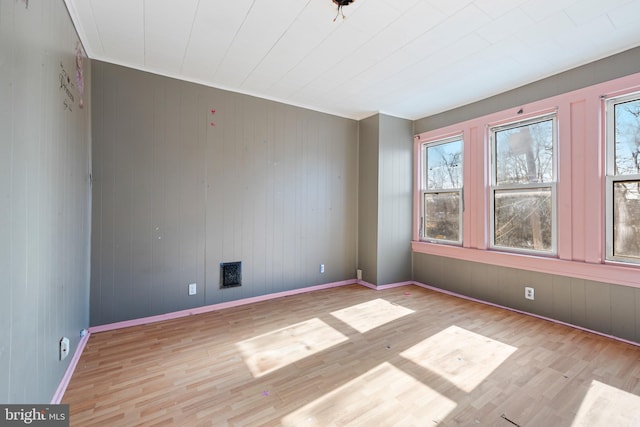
[(627, 124), (444, 165)]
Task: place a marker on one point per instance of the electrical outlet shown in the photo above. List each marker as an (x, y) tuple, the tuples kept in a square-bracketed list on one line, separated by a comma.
[(529, 293), (192, 289), (64, 347), (321, 268), (359, 274)]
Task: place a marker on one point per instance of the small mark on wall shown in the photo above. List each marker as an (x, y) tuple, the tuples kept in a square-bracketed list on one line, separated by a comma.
[(66, 85), (213, 111), (79, 73)]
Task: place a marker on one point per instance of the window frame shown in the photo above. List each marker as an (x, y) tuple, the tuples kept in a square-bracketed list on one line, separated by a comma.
[(611, 178), (495, 188), (424, 191)]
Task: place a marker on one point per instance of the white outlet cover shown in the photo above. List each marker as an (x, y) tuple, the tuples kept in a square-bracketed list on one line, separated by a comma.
[(192, 289), (64, 347), (529, 293)]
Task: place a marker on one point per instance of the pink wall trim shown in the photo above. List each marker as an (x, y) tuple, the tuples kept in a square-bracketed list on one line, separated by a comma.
[(559, 322), (214, 307), (223, 305), (393, 285), (580, 187), (383, 287), (62, 387), (606, 273), (367, 284)]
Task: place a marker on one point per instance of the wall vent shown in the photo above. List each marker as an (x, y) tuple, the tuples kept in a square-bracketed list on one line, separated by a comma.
[(230, 274)]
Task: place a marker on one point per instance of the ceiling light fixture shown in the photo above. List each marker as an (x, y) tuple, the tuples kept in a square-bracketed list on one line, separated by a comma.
[(341, 4)]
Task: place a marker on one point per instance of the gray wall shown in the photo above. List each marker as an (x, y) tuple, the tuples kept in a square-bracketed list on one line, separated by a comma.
[(606, 308), (395, 200), (615, 66), (385, 199), (271, 185), (44, 199), (368, 165)]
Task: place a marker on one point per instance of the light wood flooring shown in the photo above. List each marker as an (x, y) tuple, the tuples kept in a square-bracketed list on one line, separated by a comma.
[(353, 356)]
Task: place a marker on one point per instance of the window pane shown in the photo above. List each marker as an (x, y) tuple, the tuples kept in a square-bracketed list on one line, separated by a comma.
[(442, 212), (523, 219), (524, 154), (444, 165), (626, 219), (627, 145)]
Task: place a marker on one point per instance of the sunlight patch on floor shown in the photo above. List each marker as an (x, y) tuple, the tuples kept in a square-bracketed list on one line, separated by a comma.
[(385, 393), (274, 350), (371, 314), (607, 406), (462, 357)]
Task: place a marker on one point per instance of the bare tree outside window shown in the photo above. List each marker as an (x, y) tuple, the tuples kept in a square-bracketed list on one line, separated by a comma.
[(444, 166), (442, 205), (522, 186), (525, 154), (442, 214), (626, 184)]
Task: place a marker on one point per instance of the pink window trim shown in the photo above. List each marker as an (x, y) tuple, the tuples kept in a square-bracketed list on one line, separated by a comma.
[(580, 172)]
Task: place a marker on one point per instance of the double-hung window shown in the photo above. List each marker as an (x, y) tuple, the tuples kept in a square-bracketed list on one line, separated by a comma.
[(442, 203), (523, 186), (623, 178)]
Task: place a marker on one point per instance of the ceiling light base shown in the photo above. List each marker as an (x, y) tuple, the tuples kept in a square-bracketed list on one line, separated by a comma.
[(341, 4)]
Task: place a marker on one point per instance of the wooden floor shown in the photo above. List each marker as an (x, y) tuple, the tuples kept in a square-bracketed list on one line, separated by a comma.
[(353, 356)]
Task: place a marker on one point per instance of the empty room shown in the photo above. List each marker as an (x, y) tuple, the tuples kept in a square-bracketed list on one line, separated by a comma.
[(320, 213)]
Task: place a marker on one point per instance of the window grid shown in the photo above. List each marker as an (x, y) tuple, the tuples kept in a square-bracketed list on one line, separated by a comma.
[(444, 199), (526, 192), (623, 174)]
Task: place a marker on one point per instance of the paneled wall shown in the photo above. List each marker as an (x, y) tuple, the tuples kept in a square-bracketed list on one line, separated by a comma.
[(179, 188), (395, 181), (385, 209), (44, 197), (368, 169)]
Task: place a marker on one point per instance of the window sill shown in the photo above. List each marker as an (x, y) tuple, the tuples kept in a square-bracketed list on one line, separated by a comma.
[(606, 273)]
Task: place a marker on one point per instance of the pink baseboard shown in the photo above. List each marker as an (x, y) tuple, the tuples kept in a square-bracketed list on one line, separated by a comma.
[(367, 284), (559, 322), (383, 287), (62, 387), (214, 307), (183, 313), (393, 285)]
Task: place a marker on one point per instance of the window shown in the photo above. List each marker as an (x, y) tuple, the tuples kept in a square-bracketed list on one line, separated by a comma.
[(523, 190), (442, 203), (623, 178)]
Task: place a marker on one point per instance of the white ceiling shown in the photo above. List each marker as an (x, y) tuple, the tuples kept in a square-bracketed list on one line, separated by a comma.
[(405, 58)]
